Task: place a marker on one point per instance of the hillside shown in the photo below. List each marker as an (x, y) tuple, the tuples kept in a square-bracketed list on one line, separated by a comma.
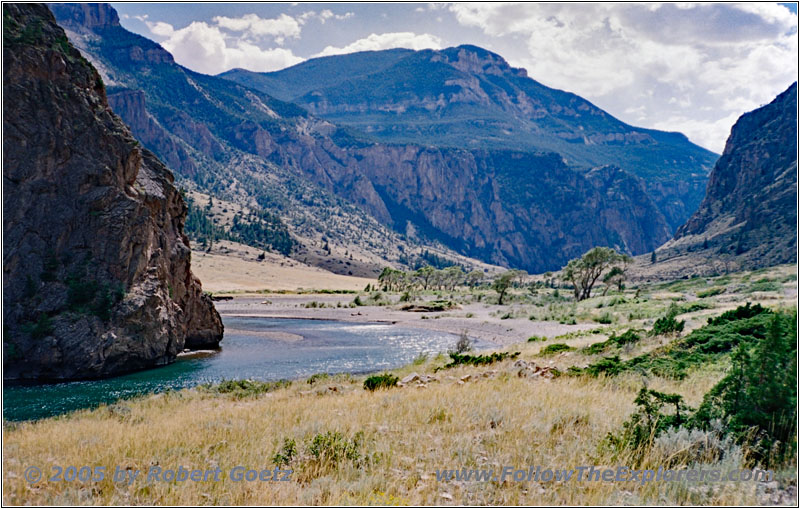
[(748, 218), (468, 97), (247, 147), (96, 266)]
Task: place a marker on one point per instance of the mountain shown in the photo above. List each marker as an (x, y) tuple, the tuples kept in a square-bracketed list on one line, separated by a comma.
[(380, 201), (750, 208), (468, 97), (96, 268)]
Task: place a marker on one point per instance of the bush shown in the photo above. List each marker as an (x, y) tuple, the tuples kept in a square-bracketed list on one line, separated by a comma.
[(644, 425), (556, 348), (606, 318), (384, 381), (758, 398), (286, 453), (711, 292), (740, 313), (628, 337), (533, 339), (332, 448), (317, 377), (240, 389), (668, 325), (478, 360), (464, 344)]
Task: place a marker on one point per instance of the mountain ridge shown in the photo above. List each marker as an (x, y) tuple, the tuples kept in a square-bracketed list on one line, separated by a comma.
[(469, 97), (238, 139)]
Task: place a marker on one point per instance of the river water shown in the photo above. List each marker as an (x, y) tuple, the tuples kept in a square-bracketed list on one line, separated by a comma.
[(253, 347)]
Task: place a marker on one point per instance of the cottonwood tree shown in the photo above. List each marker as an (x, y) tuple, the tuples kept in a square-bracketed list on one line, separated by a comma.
[(502, 283), (584, 272)]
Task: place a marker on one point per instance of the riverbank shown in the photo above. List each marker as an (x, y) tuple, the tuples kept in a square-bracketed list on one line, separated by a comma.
[(478, 320)]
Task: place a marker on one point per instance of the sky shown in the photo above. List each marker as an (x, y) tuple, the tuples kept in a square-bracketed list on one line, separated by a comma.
[(687, 67)]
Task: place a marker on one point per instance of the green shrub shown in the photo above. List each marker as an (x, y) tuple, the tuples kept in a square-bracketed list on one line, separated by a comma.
[(533, 339), (556, 348), (330, 449), (628, 337), (647, 422), (317, 377), (758, 397), (606, 318), (240, 389), (764, 285), (701, 346), (711, 292), (740, 313), (668, 325), (384, 381), (286, 453), (478, 360)]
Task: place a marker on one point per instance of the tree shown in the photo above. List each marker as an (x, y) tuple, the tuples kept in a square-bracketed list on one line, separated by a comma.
[(584, 272), (502, 283), (653, 258), (473, 278), (453, 276), (425, 274)]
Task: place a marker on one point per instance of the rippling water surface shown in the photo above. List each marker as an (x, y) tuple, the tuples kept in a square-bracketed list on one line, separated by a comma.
[(257, 348)]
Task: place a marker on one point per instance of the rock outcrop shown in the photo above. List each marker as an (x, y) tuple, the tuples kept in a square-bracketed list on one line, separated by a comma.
[(96, 267), (750, 208)]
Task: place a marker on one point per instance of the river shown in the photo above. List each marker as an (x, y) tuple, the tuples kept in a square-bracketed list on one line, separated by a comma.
[(253, 347)]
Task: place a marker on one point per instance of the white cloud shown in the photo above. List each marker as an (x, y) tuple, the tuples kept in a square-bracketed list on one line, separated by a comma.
[(160, 28), (376, 42), (251, 24), (205, 48), (729, 57)]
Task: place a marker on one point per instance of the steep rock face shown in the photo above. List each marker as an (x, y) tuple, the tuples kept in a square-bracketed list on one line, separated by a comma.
[(513, 208), (468, 97), (750, 208), (397, 183), (96, 267)]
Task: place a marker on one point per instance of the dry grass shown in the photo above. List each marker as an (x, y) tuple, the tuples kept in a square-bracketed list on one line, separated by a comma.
[(239, 269), (408, 433)]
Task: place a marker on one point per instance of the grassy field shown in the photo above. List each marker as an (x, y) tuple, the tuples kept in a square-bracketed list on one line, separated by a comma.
[(347, 445)]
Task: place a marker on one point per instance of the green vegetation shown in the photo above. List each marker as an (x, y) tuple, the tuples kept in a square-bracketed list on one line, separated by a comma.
[(744, 325), (260, 229), (626, 338), (756, 402), (758, 397), (648, 422), (585, 271), (458, 359), (240, 389), (711, 292), (556, 348), (668, 325), (384, 381)]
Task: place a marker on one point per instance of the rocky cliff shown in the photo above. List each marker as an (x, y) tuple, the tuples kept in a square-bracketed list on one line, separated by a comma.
[(96, 268), (219, 123), (750, 208), (468, 97)]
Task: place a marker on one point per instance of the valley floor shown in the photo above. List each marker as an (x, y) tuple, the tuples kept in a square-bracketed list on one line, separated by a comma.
[(347, 445)]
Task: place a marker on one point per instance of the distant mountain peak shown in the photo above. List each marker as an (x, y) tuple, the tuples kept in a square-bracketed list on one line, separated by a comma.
[(476, 60)]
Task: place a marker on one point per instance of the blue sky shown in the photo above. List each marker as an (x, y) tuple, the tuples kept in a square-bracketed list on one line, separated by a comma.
[(688, 67)]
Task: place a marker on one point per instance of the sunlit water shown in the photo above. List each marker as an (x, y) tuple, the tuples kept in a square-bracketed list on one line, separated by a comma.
[(249, 350)]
